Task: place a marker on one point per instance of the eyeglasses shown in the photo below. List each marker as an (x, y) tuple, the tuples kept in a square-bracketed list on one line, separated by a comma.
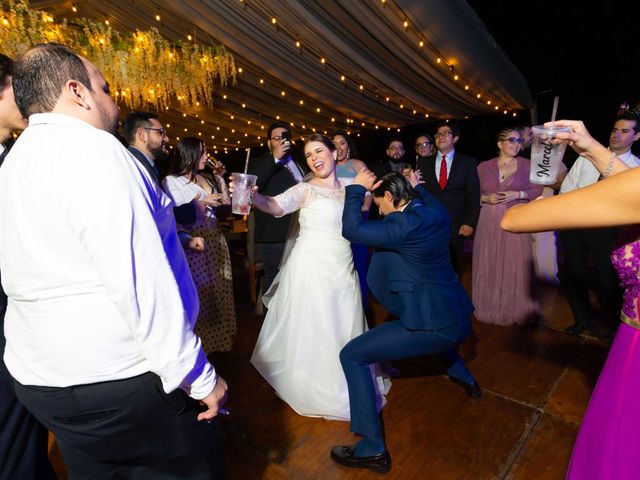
[(512, 140), (423, 144), (277, 138), (443, 134), (159, 130)]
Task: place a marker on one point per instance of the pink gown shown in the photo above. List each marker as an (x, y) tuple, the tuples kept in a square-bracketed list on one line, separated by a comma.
[(607, 444), (502, 276)]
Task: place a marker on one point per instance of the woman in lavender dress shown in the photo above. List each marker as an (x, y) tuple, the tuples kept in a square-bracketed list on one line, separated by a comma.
[(607, 444), (502, 262)]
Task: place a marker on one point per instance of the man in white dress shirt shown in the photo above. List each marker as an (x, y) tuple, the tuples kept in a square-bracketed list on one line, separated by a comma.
[(598, 242), (99, 324)]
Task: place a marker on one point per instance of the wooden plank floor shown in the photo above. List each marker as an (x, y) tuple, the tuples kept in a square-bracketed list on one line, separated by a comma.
[(536, 382)]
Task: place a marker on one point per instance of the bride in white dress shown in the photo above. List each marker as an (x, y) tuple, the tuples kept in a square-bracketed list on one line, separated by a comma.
[(314, 304)]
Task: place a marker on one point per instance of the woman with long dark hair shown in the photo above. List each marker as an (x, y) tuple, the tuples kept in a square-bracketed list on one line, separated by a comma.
[(211, 269)]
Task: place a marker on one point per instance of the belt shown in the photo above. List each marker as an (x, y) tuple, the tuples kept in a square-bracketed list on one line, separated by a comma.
[(629, 321)]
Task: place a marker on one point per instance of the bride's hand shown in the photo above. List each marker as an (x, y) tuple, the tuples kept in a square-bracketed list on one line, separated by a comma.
[(231, 185)]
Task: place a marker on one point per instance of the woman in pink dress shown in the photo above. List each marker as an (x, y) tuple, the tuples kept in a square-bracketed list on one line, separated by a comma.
[(501, 274), (607, 444)]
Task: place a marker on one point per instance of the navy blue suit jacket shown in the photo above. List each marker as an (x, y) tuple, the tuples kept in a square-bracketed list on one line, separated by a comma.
[(184, 214), (411, 274)]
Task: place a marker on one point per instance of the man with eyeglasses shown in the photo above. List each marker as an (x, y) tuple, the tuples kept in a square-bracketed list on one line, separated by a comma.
[(148, 142), (596, 242), (395, 159), (276, 171), (423, 146), (452, 178), (525, 135)]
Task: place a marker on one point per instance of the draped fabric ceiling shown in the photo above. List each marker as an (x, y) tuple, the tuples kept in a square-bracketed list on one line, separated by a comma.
[(327, 64)]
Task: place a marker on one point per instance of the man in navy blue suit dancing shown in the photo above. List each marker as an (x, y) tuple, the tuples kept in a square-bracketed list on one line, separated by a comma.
[(411, 275)]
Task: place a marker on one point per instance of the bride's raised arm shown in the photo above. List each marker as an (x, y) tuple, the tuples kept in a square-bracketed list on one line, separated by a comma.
[(287, 202), (267, 204)]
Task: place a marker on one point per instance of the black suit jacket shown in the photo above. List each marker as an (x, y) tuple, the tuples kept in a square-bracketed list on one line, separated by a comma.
[(273, 179), (461, 194), (185, 214), (385, 167)]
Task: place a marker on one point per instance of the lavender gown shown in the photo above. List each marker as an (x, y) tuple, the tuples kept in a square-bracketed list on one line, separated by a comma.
[(607, 444), (502, 274)]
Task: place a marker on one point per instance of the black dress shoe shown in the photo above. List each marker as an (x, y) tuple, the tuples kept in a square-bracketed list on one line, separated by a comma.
[(578, 328), (471, 388), (345, 455)]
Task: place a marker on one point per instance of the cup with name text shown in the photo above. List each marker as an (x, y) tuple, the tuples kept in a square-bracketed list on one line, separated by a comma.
[(546, 155), (243, 184)]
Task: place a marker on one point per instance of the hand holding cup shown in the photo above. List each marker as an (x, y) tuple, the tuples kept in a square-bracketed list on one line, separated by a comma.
[(577, 135), (241, 188)]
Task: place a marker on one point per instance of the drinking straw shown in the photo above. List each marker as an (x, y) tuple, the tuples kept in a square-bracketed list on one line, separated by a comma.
[(555, 109), (246, 162)]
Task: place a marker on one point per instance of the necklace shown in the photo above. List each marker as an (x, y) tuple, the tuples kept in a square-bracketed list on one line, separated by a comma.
[(502, 168)]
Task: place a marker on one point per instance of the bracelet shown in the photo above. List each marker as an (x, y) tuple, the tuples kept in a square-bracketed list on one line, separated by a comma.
[(607, 172)]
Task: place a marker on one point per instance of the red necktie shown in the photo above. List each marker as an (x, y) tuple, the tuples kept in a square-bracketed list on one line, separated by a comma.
[(443, 172)]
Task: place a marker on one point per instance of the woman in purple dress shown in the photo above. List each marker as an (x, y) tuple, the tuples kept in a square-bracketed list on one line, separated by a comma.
[(502, 261), (607, 444)]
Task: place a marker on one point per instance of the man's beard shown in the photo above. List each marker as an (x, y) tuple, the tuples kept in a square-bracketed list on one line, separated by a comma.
[(159, 153), (109, 122)]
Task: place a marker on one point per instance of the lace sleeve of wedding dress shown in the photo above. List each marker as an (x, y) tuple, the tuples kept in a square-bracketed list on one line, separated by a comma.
[(293, 198)]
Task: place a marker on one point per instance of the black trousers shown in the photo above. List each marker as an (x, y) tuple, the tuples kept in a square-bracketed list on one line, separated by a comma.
[(128, 429), (456, 245), (270, 254), (23, 440), (578, 246)]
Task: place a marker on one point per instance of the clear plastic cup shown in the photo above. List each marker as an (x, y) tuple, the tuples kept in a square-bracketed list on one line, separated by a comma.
[(546, 156), (243, 184)]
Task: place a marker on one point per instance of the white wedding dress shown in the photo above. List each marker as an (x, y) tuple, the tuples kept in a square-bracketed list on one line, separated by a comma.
[(315, 308)]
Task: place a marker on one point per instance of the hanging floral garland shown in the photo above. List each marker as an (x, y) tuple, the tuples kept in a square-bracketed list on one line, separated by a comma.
[(142, 67)]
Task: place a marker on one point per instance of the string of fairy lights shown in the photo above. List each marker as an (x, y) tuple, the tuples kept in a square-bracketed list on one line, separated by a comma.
[(239, 121)]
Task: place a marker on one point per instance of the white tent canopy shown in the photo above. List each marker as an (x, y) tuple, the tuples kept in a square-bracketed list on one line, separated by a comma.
[(392, 75)]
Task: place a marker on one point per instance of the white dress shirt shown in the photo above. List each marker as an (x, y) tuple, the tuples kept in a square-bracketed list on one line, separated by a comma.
[(99, 288), (448, 160), (291, 166), (583, 173)]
